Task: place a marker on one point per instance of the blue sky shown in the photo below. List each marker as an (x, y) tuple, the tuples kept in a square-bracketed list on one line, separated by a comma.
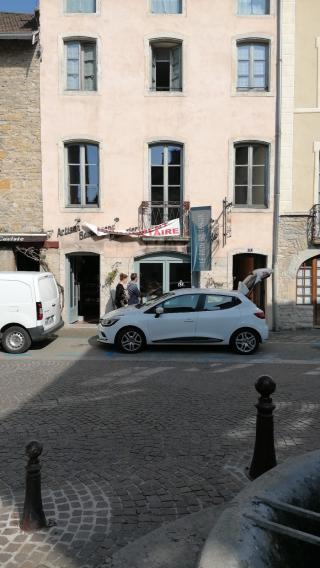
[(18, 5)]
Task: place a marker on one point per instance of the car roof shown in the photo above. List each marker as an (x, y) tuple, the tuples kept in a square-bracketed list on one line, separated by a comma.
[(221, 291)]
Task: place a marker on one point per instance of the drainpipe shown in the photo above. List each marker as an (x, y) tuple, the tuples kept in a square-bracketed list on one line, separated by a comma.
[(276, 206)]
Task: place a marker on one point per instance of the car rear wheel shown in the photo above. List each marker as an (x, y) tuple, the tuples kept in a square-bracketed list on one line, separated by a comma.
[(16, 339), (130, 340), (245, 341)]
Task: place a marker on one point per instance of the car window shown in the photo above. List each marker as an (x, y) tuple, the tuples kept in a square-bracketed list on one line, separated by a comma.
[(219, 302), (178, 304)]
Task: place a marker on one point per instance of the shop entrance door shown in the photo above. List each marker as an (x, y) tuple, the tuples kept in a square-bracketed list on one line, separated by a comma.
[(243, 264), (308, 286), (83, 287), (160, 274)]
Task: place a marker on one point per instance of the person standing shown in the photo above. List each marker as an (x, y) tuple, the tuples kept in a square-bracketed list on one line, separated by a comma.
[(133, 290), (121, 298)]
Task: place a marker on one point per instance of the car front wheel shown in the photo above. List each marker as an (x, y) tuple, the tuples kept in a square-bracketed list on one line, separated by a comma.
[(130, 340), (245, 341), (16, 339)]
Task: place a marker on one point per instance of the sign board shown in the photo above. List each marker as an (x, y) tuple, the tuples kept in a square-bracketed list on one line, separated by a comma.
[(169, 229), (200, 234), (22, 238)]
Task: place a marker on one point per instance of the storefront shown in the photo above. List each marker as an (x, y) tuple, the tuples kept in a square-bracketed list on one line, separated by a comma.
[(21, 251), (159, 273)]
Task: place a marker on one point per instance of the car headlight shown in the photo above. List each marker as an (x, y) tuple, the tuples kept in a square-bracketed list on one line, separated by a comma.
[(108, 322)]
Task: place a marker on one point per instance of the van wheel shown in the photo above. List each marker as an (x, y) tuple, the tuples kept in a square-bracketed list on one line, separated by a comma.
[(16, 340)]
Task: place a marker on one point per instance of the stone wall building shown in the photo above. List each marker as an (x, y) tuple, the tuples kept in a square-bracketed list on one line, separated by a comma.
[(298, 273), (21, 217)]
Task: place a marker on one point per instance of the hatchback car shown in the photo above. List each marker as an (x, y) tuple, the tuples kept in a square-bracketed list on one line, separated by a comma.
[(187, 316)]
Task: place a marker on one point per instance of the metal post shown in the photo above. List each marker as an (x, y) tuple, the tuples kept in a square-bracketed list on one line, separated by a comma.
[(33, 517), (264, 455)]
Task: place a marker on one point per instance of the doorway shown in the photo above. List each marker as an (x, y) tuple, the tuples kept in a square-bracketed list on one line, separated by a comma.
[(308, 286), (83, 287), (245, 263), (159, 274)]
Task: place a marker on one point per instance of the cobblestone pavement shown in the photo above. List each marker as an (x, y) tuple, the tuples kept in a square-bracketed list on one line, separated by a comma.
[(130, 445)]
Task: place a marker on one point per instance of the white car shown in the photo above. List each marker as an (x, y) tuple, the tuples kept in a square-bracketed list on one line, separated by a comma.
[(188, 316)]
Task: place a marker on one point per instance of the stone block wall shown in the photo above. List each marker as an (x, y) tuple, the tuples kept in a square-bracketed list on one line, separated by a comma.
[(20, 150)]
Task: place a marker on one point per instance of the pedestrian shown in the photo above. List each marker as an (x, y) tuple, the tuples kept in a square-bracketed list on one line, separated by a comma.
[(121, 298), (133, 290)]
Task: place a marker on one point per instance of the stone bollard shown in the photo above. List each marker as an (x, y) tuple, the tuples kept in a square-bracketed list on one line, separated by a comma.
[(264, 455), (33, 517)]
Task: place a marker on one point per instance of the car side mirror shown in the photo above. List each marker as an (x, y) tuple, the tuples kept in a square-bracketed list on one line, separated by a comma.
[(159, 311)]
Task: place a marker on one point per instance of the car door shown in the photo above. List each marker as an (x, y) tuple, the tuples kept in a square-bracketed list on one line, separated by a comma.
[(178, 321), (218, 317)]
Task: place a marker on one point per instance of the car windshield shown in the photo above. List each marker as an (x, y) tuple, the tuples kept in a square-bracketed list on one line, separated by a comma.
[(154, 301)]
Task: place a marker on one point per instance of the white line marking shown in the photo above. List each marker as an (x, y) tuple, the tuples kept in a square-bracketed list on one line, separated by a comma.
[(234, 367)]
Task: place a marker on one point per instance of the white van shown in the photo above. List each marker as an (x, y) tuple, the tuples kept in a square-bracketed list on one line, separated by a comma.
[(29, 309)]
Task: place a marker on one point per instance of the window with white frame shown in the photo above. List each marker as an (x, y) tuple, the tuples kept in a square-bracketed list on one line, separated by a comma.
[(82, 174), (80, 6), (251, 175), (253, 66), (253, 7), (166, 6), (304, 283), (80, 65), (166, 164), (166, 72)]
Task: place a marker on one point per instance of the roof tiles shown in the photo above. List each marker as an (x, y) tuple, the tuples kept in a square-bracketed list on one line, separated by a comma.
[(17, 23)]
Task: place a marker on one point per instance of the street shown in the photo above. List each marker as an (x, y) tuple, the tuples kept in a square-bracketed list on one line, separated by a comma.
[(131, 442)]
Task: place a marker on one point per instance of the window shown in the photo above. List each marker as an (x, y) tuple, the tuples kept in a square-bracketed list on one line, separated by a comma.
[(81, 68), (251, 175), (82, 174), (180, 304), (253, 65), (166, 74), (166, 162), (85, 6), (253, 7), (215, 302), (304, 283), (166, 6)]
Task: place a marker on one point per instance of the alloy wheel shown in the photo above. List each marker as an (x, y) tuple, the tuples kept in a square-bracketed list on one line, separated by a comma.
[(131, 341), (245, 342)]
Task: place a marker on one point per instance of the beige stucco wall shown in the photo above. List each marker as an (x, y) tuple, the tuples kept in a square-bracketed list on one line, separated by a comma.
[(123, 116)]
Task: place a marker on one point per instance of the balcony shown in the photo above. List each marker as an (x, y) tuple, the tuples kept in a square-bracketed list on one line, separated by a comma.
[(153, 213), (314, 225)]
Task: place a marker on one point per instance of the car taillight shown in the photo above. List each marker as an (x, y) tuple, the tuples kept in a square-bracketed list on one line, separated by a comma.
[(260, 315), (39, 311)]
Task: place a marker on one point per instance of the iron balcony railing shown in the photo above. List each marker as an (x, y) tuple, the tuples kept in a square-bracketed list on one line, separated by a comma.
[(153, 213), (314, 226)]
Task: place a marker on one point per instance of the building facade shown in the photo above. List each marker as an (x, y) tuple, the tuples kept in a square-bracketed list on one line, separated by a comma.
[(21, 219), (147, 113), (298, 295)]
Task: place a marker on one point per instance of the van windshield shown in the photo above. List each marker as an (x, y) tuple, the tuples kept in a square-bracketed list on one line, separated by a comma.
[(47, 288)]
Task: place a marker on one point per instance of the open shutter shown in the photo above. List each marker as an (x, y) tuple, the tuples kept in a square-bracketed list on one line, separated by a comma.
[(154, 70), (89, 66), (73, 65), (175, 55)]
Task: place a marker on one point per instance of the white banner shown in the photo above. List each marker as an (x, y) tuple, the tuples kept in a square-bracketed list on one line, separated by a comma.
[(169, 229)]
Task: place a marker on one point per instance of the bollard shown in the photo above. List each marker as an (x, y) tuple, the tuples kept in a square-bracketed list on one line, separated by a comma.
[(33, 517), (264, 455)]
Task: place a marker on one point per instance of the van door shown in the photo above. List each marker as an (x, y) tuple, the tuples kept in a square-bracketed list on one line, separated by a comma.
[(49, 298)]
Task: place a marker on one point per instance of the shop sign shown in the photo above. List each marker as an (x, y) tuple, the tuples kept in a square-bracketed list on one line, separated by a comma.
[(169, 229), (11, 238), (68, 230), (200, 234)]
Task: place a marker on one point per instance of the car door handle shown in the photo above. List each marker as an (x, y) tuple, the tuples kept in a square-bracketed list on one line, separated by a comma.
[(188, 321)]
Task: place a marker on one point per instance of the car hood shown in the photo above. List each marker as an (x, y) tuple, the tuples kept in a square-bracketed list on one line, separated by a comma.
[(121, 312)]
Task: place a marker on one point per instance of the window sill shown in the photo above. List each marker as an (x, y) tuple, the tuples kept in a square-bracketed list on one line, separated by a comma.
[(252, 93), (236, 209), (264, 16), (80, 93), (165, 93)]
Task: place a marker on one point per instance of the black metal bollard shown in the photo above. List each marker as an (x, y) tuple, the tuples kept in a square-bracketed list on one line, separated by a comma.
[(33, 517), (264, 455)]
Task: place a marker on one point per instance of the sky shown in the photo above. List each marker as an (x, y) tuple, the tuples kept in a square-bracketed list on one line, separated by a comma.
[(18, 5)]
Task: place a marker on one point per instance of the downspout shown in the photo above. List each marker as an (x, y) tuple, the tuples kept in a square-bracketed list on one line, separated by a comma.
[(276, 206)]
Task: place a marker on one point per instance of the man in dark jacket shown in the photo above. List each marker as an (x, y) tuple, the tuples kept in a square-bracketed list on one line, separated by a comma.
[(133, 290)]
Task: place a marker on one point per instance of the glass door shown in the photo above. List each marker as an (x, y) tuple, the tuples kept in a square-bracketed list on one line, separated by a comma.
[(151, 279), (72, 287)]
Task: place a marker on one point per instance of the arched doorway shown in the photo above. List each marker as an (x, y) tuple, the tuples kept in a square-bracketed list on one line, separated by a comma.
[(308, 286), (82, 287), (160, 273), (243, 264)]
